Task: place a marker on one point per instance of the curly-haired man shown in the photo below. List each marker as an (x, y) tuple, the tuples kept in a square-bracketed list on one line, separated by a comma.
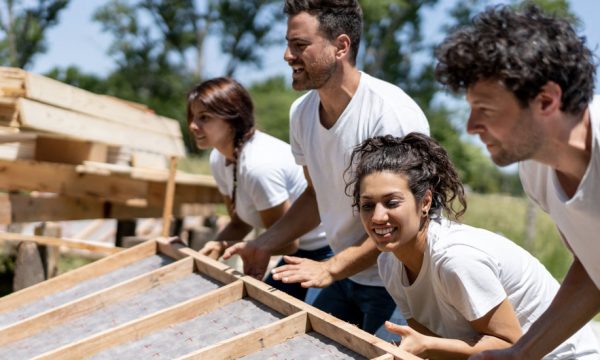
[(529, 81)]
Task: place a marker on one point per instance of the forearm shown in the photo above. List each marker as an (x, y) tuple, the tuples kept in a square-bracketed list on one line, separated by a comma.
[(440, 348), (301, 217), (353, 259), (233, 232), (576, 302)]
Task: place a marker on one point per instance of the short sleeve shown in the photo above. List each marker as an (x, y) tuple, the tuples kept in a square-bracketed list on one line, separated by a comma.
[(267, 187), (296, 134), (470, 280)]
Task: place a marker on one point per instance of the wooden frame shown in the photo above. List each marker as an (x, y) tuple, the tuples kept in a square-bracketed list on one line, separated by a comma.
[(297, 318)]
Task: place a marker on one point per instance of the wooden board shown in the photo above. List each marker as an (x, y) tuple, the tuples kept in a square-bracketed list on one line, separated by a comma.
[(280, 318)]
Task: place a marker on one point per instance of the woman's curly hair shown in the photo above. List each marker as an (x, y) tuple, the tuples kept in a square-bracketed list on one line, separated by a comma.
[(421, 159), (522, 48)]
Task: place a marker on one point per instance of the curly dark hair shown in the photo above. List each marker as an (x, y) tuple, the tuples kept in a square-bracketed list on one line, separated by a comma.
[(421, 159), (522, 48), (335, 17)]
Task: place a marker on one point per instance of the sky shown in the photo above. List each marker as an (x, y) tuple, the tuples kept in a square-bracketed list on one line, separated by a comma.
[(78, 40)]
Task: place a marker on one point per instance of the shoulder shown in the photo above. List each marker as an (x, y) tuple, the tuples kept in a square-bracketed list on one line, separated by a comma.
[(303, 102)]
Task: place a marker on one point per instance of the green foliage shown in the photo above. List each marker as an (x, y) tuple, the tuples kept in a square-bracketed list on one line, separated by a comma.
[(24, 30), (506, 215), (272, 101)]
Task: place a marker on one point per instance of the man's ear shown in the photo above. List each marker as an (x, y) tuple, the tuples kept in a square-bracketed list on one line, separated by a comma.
[(548, 100), (343, 43)]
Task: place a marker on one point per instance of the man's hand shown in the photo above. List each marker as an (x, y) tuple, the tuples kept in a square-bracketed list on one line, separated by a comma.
[(308, 273), (213, 249), (255, 259), (412, 341)]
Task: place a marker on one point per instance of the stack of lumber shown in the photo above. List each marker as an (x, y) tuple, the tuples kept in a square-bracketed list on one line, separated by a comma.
[(69, 154), (164, 301)]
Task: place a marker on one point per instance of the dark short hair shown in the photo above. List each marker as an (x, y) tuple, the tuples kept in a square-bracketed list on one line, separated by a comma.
[(336, 17), (420, 158), (523, 48)]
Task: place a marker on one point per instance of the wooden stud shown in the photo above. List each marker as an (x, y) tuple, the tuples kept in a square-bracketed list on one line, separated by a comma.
[(168, 205), (263, 337), (139, 328), (69, 243), (72, 278), (94, 301)]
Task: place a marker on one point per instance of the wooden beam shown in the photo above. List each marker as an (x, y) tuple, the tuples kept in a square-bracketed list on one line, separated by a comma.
[(59, 94), (263, 337), (142, 327), (39, 116), (65, 179), (95, 301), (353, 337), (74, 277), (20, 208), (167, 214), (23, 175), (66, 242)]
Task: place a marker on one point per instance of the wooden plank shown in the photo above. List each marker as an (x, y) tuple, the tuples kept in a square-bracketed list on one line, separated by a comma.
[(20, 208), (25, 175), (273, 298), (59, 94), (95, 301), (167, 215), (353, 337), (69, 151), (139, 328), (263, 337), (384, 357), (29, 268), (39, 116), (66, 242), (71, 278)]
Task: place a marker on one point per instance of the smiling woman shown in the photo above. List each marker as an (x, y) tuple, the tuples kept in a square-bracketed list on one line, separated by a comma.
[(462, 289)]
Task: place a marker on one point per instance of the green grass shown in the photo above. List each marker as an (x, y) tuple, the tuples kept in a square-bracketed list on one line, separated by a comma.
[(506, 215)]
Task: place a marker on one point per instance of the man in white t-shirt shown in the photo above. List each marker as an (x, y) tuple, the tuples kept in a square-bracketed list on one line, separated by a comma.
[(343, 107), (529, 80)]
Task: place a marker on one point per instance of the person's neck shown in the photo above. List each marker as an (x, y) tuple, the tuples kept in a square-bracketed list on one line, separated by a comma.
[(227, 151), (413, 253), (336, 94), (568, 149)]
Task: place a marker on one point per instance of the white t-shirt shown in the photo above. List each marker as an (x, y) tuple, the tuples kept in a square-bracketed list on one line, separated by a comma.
[(465, 273), (578, 217), (377, 108), (267, 176)]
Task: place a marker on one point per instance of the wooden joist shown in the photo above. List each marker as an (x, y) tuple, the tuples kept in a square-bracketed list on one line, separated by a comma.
[(17, 83), (74, 181), (237, 316)]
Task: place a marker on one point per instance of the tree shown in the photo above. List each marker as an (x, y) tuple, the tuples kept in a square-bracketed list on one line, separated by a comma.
[(24, 30)]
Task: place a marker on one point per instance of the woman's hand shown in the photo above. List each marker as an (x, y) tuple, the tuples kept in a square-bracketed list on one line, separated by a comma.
[(412, 341)]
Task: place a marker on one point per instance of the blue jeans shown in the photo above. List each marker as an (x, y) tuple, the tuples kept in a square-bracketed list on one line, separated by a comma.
[(368, 307), (296, 290)]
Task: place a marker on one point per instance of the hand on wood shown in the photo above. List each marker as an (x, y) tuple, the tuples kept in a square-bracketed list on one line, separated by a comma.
[(213, 249), (255, 258), (308, 273), (412, 341)]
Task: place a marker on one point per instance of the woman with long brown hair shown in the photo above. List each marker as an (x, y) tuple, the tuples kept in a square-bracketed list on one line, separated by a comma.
[(254, 171)]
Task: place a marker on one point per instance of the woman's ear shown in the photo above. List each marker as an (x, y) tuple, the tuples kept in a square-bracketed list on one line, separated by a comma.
[(426, 202)]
